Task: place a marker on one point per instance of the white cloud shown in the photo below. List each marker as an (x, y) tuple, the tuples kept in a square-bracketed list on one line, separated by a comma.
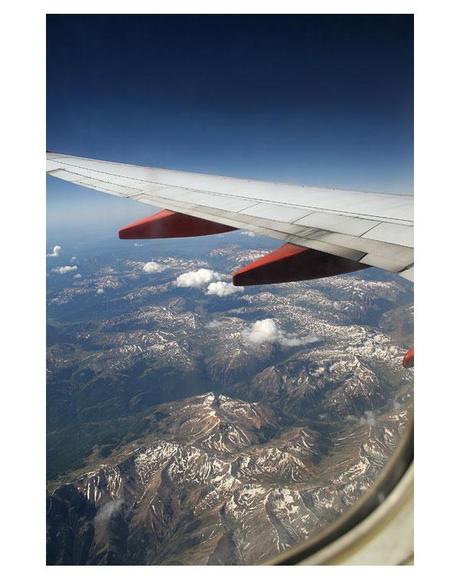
[(263, 331), (248, 233), (151, 267), (78, 275), (100, 291), (267, 331), (107, 510), (223, 289), (56, 251), (73, 258), (369, 419), (197, 278), (65, 269)]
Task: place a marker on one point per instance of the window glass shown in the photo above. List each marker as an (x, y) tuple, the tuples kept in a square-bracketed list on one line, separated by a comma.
[(190, 422)]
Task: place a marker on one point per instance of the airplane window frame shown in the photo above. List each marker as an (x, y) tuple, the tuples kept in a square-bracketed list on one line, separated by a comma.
[(396, 468)]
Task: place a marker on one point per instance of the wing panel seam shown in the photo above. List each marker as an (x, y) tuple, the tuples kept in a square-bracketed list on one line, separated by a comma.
[(253, 200)]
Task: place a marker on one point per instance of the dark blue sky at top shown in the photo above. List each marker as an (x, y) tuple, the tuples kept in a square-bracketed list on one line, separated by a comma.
[(313, 99)]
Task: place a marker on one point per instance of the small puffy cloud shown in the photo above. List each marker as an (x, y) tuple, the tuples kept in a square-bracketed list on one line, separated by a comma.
[(56, 251), (263, 331), (223, 289), (151, 267), (248, 233), (78, 275), (100, 291), (65, 269), (197, 278), (108, 510), (267, 331), (73, 259), (369, 419)]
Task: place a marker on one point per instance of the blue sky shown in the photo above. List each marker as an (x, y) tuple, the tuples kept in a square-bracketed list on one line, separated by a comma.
[(318, 100)]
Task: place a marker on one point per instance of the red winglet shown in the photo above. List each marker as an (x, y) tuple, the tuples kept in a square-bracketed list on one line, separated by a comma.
[(293, 263), (408, 360), (167, 224)]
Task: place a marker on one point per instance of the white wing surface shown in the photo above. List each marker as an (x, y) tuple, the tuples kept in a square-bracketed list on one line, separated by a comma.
[(374, 229)]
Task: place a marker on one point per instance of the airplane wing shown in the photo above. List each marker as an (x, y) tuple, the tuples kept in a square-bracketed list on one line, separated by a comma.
[(358, 228)]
